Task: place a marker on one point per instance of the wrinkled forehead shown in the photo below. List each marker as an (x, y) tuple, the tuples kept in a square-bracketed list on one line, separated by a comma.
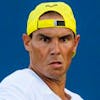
[(54, 32)]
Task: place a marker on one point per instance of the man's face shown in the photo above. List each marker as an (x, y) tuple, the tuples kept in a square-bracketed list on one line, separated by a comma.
[(51, 51)]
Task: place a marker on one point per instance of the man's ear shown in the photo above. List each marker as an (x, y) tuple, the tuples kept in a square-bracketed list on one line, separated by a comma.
[(27, 42), (77, 39)]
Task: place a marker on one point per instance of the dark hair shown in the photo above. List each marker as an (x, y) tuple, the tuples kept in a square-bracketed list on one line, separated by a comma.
[(31, 35)]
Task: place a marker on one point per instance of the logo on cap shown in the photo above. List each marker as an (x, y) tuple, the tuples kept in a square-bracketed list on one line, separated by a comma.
[(59, 23)]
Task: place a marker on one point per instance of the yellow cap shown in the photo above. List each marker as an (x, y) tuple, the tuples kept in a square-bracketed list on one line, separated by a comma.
[(62, 8)]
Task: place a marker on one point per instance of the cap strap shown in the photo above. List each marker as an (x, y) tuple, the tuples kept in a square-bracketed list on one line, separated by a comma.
[(50, 23)]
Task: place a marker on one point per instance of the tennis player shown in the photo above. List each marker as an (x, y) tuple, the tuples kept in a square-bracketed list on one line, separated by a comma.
[(51, 40)]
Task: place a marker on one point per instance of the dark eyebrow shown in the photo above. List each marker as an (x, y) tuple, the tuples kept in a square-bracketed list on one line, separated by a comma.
[(66, 36), (42, 35)]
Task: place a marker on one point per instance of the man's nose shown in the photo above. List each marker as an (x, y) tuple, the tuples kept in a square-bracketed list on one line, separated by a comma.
[(55, 48)]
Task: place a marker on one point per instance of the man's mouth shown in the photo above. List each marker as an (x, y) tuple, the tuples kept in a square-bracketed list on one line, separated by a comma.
[(56, 64)]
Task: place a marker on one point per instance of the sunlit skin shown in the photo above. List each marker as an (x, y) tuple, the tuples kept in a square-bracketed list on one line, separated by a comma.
[(51, 51)]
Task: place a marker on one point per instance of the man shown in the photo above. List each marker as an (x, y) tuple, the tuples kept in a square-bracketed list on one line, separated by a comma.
[(51, 41)]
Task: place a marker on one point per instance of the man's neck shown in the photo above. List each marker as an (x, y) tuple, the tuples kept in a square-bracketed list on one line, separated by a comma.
[(57, 86)]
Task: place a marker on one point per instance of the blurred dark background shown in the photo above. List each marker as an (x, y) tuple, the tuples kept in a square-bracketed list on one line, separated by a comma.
[(83, 76)]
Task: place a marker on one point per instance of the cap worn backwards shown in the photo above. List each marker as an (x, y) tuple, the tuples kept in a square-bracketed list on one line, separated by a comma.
[(62, 8)]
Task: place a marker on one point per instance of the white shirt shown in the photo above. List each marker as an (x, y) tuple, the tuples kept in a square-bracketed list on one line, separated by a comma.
[(27, 85)]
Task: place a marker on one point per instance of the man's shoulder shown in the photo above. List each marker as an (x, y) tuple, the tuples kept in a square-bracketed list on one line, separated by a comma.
[(16, 82), (18, 74), (19, 78), (73, 95)]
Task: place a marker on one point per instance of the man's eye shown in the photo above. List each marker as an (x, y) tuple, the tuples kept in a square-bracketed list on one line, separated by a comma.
[(66, 38), (45, 39)]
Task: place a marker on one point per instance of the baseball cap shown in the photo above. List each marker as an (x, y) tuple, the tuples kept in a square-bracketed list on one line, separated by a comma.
[(34, 23)]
